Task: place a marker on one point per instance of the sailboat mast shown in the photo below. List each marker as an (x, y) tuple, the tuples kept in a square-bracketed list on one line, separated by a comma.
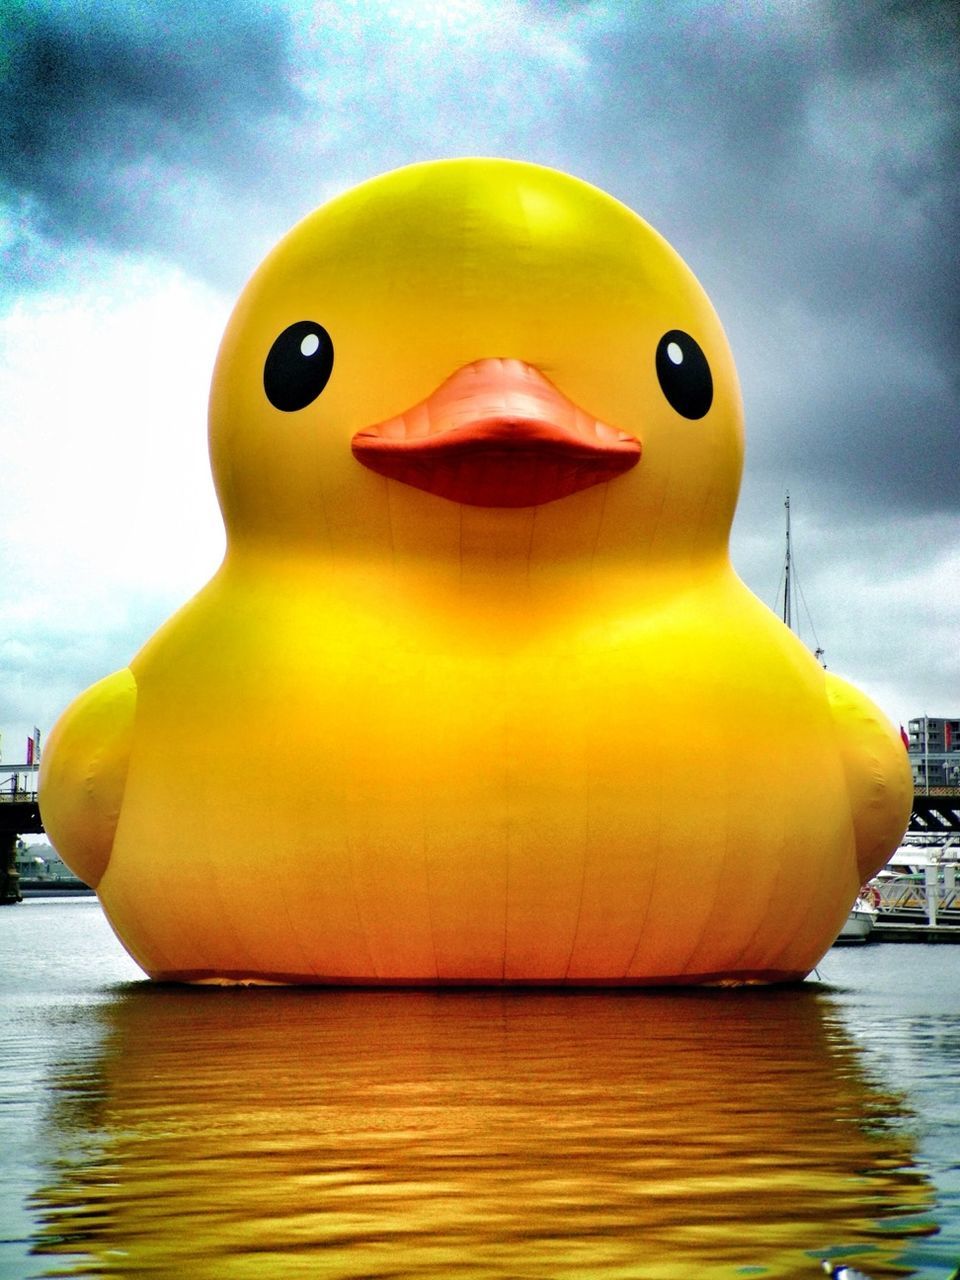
[(787, 602)]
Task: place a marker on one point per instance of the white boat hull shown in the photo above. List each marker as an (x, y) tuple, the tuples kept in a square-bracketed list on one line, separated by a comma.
[(858, 925)]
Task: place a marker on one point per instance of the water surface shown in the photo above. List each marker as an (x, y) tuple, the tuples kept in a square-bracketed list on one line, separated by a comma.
[(160, 1131)]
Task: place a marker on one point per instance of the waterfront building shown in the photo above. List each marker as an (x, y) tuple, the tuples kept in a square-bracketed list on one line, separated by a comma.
[(934, 750)]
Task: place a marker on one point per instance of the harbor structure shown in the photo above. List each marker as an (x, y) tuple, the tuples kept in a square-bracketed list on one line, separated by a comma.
[(19, 815)]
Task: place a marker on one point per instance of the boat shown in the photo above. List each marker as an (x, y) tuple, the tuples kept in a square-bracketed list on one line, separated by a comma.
[(859, 924)]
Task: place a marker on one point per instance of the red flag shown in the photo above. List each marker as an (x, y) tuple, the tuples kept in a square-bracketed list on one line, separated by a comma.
[(947, 735), (29, 751), (903, 738)]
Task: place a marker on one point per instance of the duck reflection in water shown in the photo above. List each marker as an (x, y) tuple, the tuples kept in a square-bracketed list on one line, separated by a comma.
[(289, 1133)]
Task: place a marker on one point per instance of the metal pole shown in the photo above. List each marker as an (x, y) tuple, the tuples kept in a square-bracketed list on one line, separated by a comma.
[(787, 603), (931, 876)]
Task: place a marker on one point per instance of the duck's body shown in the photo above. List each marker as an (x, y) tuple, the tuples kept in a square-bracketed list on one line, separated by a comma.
[(425, 727)]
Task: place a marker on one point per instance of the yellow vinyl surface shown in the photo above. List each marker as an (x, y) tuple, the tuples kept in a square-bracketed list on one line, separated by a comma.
[(405, 739)]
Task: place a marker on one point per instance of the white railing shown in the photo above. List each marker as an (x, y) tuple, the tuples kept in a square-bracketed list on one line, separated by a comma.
[(926, 897)]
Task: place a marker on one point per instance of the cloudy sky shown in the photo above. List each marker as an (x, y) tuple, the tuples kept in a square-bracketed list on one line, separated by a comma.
[(801, 156)]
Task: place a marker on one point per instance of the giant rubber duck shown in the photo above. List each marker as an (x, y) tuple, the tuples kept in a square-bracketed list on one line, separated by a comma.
[(476, 695)]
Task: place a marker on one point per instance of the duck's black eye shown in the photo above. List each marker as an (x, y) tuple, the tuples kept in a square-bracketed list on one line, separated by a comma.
[(298, 366), (684, 374)]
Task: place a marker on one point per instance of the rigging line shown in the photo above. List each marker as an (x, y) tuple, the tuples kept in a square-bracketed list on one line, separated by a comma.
[(777, 605), (787, 601), (818, 648), (791, 588), (803, 601)]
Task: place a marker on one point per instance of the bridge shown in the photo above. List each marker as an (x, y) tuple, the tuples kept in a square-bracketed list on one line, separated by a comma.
[(935, 814)]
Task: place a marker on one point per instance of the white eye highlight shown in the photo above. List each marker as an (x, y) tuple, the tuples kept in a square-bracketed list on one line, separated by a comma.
[(311, 344), (674, 354)]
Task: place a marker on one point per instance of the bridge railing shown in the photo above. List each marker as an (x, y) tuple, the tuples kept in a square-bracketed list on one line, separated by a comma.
[(18, 784)]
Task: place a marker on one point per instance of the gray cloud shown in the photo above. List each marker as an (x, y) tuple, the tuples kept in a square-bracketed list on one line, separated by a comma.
[(803, 158), (157, 129), (805, 163), (42, 676)]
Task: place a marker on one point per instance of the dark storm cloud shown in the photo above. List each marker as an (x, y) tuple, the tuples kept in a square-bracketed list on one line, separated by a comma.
[(159, 127), (804, 160), (103, 107)]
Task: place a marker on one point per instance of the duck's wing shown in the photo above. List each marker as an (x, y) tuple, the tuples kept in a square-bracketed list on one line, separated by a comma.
[(879, 779), (84, 771)]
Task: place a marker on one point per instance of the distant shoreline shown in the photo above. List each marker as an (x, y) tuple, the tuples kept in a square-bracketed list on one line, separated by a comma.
[(55, 889)]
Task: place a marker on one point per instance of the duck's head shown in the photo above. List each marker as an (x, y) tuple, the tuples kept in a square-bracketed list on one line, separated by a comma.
[(484, 340)]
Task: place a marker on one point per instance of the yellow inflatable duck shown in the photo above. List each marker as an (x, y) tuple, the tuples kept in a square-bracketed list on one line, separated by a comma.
[(476, 696)]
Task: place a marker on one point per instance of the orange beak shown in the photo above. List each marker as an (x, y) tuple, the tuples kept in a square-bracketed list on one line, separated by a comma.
[(497, 434)]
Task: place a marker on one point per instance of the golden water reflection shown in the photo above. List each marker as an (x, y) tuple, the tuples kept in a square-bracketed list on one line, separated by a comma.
[(242, 1133)]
